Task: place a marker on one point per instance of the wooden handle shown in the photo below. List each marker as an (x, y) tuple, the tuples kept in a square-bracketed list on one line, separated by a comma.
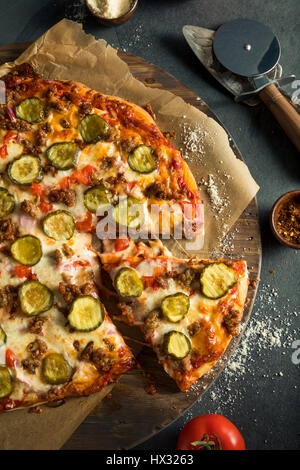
[(283, 111)]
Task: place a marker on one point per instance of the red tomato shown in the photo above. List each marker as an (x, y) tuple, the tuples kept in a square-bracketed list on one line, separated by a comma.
[(86, 224), (23, 271), (3, 151), (210, 432), (36, 189), (45, 206), (83, 176), (10, 136), (121, 244), (10, 358), (150, 281)]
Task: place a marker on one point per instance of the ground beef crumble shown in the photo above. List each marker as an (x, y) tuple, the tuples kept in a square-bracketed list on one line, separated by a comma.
[(152, 320), (29, 208), (193, 328), (64, 196), (71, 291), (97, 356), (36, 349), (9, 298), (231, 321), (67, 250), (8, 230), (186, 277), (35, 325)]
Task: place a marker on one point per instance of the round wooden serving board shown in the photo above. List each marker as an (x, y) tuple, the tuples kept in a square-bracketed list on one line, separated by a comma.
[(131, 415)]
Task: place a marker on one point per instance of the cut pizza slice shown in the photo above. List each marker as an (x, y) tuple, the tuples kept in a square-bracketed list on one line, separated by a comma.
[(56, 338), (188, 310), (63, 143)]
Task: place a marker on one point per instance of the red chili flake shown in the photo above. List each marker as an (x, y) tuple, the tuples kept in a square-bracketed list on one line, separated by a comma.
[(288, 221)]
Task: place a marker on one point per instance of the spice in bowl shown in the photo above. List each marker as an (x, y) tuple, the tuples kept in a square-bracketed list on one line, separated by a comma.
[(110, 9), (285, 219)]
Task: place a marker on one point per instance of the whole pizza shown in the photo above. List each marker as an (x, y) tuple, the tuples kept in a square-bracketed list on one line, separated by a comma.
[(69, 156)]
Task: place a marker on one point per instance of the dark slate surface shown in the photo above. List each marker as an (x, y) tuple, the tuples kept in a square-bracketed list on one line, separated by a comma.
[(263, 399)]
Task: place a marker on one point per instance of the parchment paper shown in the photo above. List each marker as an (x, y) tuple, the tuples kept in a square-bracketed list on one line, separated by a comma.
[(66, 52)]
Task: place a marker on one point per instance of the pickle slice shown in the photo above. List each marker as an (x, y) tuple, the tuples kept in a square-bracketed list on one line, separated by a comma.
[(129, 212), (216, 279), (86, 313), (27, 250), (95, 197), (59, 225), (30, 110), (6, 382), (2, 336), (34, 298), (25, 170), (63, 155), (175, 307), (176, 344), (128, 283), (93, 128), (7, 202), (55, 369), (142, 159)]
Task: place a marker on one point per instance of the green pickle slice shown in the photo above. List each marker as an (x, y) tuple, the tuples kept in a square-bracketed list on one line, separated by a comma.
[(25, 170), (128, 283), (175, 307), (27, 250), (30, 110), (7, 202), (95, 197), (129, 212), (55, 369), (35, 298), (177, 344), (93, 128), (59, 225), (86, 313), (142, 159), (6, 382), (63, 155), (2, 336), (216, 279)]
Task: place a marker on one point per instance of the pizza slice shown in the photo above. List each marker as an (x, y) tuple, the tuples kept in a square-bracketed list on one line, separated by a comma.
[(71, 145), (56, 338), (188, 310)]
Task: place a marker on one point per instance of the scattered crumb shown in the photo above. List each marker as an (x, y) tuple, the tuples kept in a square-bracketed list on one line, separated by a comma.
[(268, 330), (35, 409)]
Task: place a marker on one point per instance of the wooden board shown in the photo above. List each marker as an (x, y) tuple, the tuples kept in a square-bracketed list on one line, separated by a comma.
[(131, 415)]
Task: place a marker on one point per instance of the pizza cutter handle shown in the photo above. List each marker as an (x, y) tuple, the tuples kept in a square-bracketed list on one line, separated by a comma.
[(283, 111)]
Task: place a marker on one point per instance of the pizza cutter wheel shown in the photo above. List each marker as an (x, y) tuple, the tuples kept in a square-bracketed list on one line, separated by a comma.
[(250, 49)]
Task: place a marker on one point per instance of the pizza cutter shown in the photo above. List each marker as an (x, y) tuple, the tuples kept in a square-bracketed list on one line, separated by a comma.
[(244, 56)]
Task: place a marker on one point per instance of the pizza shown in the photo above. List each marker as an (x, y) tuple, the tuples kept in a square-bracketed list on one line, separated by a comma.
[(187, 310), (69, 155)]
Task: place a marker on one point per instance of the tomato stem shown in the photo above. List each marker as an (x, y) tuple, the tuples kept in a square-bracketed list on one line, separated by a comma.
[(207, 442)]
